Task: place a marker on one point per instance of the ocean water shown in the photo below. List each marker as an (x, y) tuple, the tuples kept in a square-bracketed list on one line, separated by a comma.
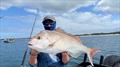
[(11, 54)]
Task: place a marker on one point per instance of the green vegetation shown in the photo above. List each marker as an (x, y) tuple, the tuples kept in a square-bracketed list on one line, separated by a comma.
[(98, 34)]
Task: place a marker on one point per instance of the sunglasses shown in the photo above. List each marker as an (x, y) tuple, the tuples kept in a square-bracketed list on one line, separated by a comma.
[(48, 22)]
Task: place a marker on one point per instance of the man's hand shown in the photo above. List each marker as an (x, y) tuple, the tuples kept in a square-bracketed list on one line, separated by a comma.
[(33, 52), (65, 57), (33, 57)]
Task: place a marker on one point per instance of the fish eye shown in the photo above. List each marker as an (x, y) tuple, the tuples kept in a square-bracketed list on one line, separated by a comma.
[(38, 37)]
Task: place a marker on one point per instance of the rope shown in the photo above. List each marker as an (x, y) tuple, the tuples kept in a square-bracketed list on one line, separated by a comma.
[(25, 53)]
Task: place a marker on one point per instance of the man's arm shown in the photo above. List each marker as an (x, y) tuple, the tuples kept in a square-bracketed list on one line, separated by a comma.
[(33, 58)]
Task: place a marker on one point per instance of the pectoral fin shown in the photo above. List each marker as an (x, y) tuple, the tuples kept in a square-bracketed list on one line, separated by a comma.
[(75, 55)]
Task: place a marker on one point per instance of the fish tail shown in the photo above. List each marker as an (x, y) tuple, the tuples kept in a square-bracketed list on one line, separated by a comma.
[(91, 53)]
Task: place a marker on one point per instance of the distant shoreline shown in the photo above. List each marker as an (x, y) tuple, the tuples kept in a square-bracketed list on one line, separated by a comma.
[(92, 34), (100, 35)]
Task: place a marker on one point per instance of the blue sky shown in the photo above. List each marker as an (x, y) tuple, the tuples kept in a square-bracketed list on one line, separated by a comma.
[(74, 16)]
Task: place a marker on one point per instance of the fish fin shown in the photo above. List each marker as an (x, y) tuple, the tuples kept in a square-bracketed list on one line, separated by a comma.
[(93, 51), (75, 55), (91, 54)]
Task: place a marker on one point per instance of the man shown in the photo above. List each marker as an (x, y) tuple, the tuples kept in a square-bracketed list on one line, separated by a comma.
[(44, 59)]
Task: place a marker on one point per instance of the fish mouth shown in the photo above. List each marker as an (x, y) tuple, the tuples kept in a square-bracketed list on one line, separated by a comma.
[(30, 44)]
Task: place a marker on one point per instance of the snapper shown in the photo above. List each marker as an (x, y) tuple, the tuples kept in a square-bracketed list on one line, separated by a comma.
[(54, 42)]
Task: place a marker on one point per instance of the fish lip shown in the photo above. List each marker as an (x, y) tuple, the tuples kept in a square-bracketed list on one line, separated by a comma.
[(30, 44)]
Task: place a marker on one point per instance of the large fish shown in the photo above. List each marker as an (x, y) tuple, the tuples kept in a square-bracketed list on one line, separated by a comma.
[(54, 42)]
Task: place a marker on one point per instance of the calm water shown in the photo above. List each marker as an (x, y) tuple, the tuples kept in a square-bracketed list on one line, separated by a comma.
[(11, 54)]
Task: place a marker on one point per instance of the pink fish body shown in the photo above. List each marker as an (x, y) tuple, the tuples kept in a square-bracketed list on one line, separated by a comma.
[(54, 42)]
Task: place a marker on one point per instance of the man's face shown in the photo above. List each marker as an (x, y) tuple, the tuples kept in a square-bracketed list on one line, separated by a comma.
[(49, 24)]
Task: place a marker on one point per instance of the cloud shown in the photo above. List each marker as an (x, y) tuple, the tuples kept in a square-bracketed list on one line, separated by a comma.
[(31, 10), (111, 6), (4, 5), (59, 6), (87, 22), (72, 22), (66, 16)]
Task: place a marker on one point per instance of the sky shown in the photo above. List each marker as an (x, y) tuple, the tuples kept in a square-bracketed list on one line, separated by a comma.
[(74, 16)]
